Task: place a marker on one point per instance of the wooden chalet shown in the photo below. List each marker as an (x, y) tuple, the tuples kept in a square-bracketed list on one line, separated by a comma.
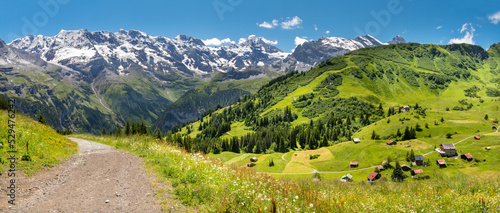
[(477, 137), (373, 176), (391, 143), (405, 108), (416, 172), (250, 164), (448, 149), (441, 163), (419, 160), (356, 140), (467, 157), (346, 178), (254, 159), (380, 167), (353, 164), (488, 148), (405, 167)]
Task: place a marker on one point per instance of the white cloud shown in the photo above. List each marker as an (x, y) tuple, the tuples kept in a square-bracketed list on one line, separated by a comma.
[(327, 32), (243, 40), (439, 27), (315, 28), (495, 18), (291, 24), (299, 40), (468, 37), (217, 42), (268, 25), (464, 27)]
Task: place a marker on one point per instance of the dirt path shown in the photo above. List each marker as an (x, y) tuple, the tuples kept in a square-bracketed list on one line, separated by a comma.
[(97, 179)]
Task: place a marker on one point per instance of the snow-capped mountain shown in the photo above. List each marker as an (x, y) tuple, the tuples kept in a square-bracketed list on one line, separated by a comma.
[(87, 51), (311, 53), (397, 40)]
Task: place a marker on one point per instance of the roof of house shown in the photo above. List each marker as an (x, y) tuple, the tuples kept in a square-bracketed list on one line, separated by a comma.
[(477, 137), (468, 156), (380, 167), (419, 157), (356, 139), (404, 165), (418, 171), (448, 146), (441, 162), (347, 176), (354, 163), (390, 142), (372, 175)]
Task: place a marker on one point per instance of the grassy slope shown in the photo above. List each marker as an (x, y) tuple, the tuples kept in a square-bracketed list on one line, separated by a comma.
[(209, 185), (46, 147), (399, 92)]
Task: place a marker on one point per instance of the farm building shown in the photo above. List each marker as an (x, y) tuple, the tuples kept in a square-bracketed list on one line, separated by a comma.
[(373, 176), (495, 121), (448, 149), (467, 157), (356, 140), (380, 167), (441, 163), (487, 148), (494, 127), (250, 164), (405, 167), (416, 172), (419, 160), (405, 108), (353, 164), (391, 143), (477, 137), (346, 178), (254, 159)]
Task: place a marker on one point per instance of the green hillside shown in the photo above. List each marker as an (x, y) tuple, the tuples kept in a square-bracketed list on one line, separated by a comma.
[(46, 148), (449, 89)]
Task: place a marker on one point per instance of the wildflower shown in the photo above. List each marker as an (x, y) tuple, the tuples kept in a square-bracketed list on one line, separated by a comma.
[(311, 205), (296, 197)]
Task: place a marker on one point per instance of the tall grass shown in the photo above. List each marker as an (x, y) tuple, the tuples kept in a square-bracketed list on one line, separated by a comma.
[(212, 186), (46, 148)]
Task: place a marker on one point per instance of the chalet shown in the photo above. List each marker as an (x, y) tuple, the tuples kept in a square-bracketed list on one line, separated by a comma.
[(405, 108), (353, 164), (373, 176), (467, 157), (495, 121), (391, 143), (477, 137), (487, 148), (448, 149), (416, 172), (419, 160), (405, 167), (494, 127), (254, 159), (250, 164), (441, 163), (380, 167), (356, 140), (346, 178)]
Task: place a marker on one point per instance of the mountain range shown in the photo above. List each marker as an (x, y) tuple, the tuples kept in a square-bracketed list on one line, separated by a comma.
[(135, 76)]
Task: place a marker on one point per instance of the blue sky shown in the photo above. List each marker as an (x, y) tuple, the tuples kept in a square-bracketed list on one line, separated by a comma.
[(282, 22)]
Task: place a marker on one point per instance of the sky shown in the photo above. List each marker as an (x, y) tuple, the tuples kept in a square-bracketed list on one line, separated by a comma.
[(283, 23)]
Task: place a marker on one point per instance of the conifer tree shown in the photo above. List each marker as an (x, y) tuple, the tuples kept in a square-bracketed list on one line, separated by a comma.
[(398, 174), (127, 129)]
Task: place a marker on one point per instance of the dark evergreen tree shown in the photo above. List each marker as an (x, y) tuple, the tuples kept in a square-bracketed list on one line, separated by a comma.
[(42, 120), (127, 129), (398, 174)]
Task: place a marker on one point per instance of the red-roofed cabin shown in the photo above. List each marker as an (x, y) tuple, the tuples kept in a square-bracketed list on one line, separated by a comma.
[(254, 159), (391, 143), (416, 172), (477, 137), (441, 163), (373, 176), (250, 164), (467, 157), (353, 164)]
